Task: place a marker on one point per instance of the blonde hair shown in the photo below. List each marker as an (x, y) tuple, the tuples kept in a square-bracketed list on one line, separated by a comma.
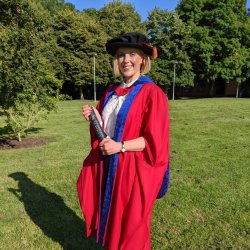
[(145, 67)]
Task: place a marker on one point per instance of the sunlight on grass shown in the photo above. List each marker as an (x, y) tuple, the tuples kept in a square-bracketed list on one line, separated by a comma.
[(208, 201)]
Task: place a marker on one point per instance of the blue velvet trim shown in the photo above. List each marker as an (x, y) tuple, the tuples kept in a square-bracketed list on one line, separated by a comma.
[(113, 160), (165, 183), (141, 80)]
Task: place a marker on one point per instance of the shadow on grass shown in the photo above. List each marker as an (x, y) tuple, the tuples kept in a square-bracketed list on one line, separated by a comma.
[(6, 133), (34, 130), (49, 212)]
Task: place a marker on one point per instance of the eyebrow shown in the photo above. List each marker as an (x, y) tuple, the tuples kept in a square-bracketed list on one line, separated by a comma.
[(128, 51)]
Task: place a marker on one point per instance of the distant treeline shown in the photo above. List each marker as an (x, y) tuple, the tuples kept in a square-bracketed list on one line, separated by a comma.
[(47, 48)]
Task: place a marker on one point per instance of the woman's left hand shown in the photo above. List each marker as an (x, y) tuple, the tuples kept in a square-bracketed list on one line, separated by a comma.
[(109, 146)]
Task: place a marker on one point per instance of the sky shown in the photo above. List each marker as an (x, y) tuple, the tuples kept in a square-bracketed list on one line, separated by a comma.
[(141, 6)]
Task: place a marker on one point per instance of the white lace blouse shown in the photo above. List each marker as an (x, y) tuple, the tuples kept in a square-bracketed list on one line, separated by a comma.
[(112, 108)]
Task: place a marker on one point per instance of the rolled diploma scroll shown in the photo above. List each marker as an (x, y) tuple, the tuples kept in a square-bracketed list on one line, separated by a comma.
[(96, 125)]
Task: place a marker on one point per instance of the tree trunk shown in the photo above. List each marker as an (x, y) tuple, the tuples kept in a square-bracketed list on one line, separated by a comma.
[(237, 91), (19, 138), (81, 92), (212, 87)]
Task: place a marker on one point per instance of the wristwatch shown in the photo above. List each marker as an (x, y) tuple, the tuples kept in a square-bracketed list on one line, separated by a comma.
[(123, 147)]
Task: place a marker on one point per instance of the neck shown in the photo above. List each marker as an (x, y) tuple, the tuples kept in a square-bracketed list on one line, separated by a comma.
[(131, 79)]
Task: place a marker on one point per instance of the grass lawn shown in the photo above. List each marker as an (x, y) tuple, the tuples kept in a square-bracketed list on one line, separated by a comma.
[(208, 204)]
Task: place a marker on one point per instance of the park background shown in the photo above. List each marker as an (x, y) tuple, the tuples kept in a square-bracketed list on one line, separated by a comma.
[(51, 57)]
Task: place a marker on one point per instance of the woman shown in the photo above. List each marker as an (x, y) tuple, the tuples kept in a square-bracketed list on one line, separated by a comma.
[(125, 173)]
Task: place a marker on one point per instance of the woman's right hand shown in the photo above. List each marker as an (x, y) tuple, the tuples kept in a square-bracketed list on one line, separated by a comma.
[(86, 111)]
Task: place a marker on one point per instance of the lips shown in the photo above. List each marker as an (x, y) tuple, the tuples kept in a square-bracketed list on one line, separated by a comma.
[(127, 67)]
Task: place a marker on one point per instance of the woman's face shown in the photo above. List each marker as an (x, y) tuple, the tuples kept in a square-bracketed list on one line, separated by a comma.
[(129, 63)]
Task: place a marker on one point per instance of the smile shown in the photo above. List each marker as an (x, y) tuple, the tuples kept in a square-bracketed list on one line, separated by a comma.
[(127, 67)]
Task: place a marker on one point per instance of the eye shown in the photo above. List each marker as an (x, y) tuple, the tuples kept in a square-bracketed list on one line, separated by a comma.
[(120, 55)]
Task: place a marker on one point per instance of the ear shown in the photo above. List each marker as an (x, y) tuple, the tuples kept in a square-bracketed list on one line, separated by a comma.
[(143, 60)]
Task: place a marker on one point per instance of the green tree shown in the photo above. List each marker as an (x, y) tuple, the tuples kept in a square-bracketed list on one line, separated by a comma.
[(91, 12), (28, 83), (171, 36), (117, 17), (53, 6), (218, 29), (80, 37)]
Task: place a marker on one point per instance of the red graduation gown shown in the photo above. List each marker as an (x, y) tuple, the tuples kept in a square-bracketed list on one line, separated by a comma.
[(138, 175)]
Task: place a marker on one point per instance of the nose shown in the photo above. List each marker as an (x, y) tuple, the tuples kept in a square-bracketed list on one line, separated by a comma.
[(126, 58)]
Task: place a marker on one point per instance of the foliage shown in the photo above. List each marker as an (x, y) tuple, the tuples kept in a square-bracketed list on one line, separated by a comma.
[(27, 109), (91, 12), (171, 36), (117, 17), (80, 37), (28, 83), (245, 40), (53, 6), (218, 38)]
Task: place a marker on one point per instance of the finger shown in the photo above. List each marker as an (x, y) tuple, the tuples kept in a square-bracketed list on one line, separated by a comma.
[(86, 115), (86, 108), (106, 140), (103, 142), (102, 150), (86, 112)]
